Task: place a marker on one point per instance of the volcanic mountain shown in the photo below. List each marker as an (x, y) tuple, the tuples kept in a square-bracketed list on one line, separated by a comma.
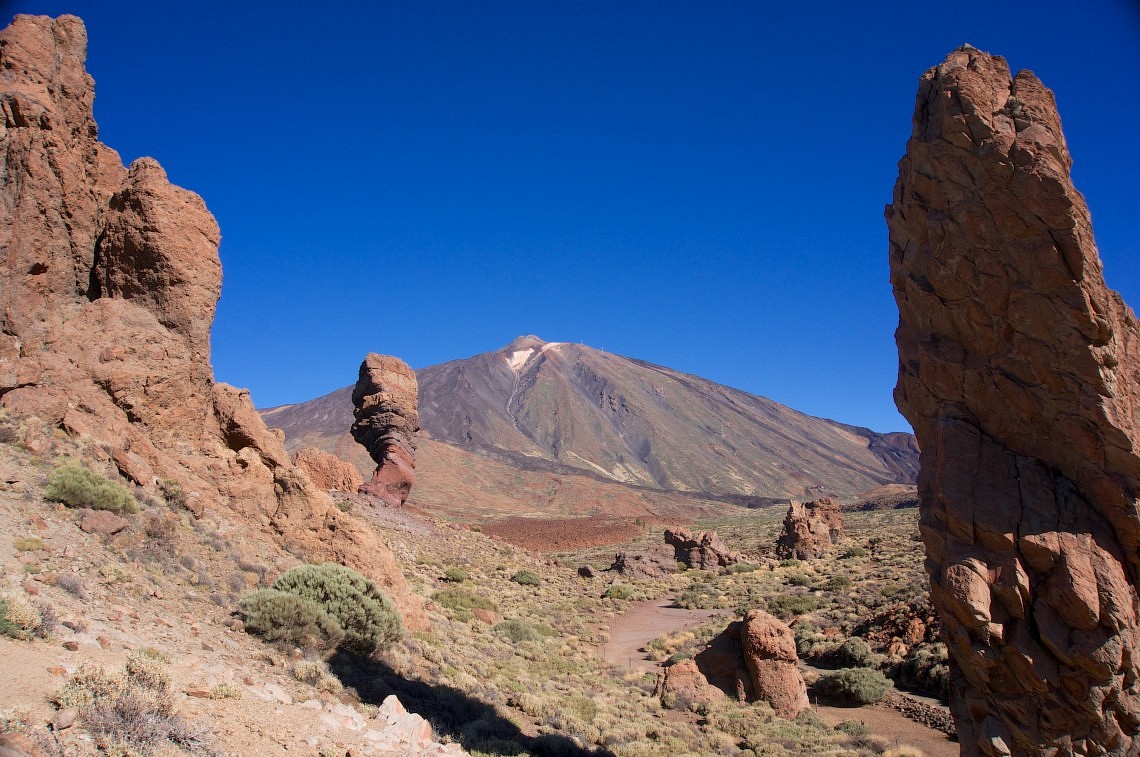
[(568, 408)]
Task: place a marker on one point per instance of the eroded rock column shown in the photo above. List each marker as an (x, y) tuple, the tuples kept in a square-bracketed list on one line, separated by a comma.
[(1018, 370), (387, 420)]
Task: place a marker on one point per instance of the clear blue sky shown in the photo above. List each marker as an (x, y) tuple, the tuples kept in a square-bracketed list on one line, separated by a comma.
[(696, 184)]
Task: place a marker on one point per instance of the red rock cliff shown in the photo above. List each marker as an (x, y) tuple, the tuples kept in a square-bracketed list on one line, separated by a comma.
[(109, 278), (1019, 371)]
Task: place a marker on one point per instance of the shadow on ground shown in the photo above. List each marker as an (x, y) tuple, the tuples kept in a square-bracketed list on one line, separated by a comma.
[(452, 713)]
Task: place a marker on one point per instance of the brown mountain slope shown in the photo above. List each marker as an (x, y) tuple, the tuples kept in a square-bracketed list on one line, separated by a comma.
[(558, 407)]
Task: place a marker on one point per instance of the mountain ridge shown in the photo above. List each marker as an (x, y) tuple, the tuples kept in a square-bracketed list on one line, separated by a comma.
[(564, 407)]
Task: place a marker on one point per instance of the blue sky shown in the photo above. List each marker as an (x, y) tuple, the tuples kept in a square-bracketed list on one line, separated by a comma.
[(700, 185)]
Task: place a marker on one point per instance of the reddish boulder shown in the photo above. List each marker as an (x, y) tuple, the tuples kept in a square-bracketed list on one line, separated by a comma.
[(769, 649), (387, 420), (683, 684), (653, 563), (703, 550), (327, 471), (102, 523), (1018, 369), (809, 529), (751, 660)]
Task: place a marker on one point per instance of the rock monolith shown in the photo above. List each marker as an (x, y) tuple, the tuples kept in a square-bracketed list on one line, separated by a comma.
[(809, 530), (1019, 370), (384, 402)]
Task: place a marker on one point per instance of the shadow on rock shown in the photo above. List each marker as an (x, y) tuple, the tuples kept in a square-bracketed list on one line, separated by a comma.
[(451, 712)]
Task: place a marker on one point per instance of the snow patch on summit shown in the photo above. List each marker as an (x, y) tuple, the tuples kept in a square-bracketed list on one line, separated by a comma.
[(518, 359)]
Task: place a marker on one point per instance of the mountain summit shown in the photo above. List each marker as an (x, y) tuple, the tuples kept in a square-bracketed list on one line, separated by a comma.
[(559, 405)]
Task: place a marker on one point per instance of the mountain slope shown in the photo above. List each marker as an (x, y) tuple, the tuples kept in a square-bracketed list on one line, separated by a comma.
[(559, 407)]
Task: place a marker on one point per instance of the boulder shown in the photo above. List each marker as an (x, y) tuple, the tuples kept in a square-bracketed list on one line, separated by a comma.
[(102, 523), (649, 564), (703, 550), (384, 402), (683, 684), (1018, 369), (751, 660), (810, 529), (769, 650)]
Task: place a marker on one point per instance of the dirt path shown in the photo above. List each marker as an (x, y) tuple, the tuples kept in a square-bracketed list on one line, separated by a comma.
[(893, 726), (633, 629)]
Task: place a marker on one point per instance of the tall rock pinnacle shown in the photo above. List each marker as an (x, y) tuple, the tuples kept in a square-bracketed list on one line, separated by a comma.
[(1019, 371), (387, 420)]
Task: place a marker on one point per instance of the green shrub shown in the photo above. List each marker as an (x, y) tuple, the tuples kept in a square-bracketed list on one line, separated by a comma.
[(853, 653), (787, 605), (526, 578), (855, 551), (927, 667), (837, 583), (518, 630), (741, 567), (455, 575), (853, 686), (281, 617), (462, 599), (799, 579), (76, 486), (369, 619), (619, 591)]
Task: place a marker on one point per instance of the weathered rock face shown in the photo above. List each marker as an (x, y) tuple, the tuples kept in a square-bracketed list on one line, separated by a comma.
[(809, 529), (1019, 371), (384, 402), (109, 279), (754, 659), (703, 550), (327, 471)]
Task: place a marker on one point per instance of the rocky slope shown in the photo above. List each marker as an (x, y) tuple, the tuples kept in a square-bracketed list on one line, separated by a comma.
[(1019, 370), (563, 407), (109, 283)]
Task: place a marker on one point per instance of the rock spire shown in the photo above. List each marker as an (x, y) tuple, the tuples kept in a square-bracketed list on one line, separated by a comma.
[(1019, 371), (385, 400)]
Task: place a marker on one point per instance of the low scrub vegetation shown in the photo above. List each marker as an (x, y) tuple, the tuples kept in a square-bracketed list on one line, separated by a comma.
[(76, 486), (321, 607), (855, 686), (130, 711)]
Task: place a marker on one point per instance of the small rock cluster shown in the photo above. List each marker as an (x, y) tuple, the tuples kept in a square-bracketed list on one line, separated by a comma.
[(703, 550)]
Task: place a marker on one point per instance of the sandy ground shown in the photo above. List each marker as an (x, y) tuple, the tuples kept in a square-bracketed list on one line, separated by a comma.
[(633, 629)]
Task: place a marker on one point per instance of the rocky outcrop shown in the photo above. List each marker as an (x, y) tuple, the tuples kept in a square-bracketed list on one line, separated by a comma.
[(327, 471), (809, 529), (384, 403), (108, 286), (1018, 369), (703, 550), (752, 660), (652, 563), (769, 650)]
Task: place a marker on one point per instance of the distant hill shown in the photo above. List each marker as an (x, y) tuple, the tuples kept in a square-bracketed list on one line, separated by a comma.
[(564, 408)]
